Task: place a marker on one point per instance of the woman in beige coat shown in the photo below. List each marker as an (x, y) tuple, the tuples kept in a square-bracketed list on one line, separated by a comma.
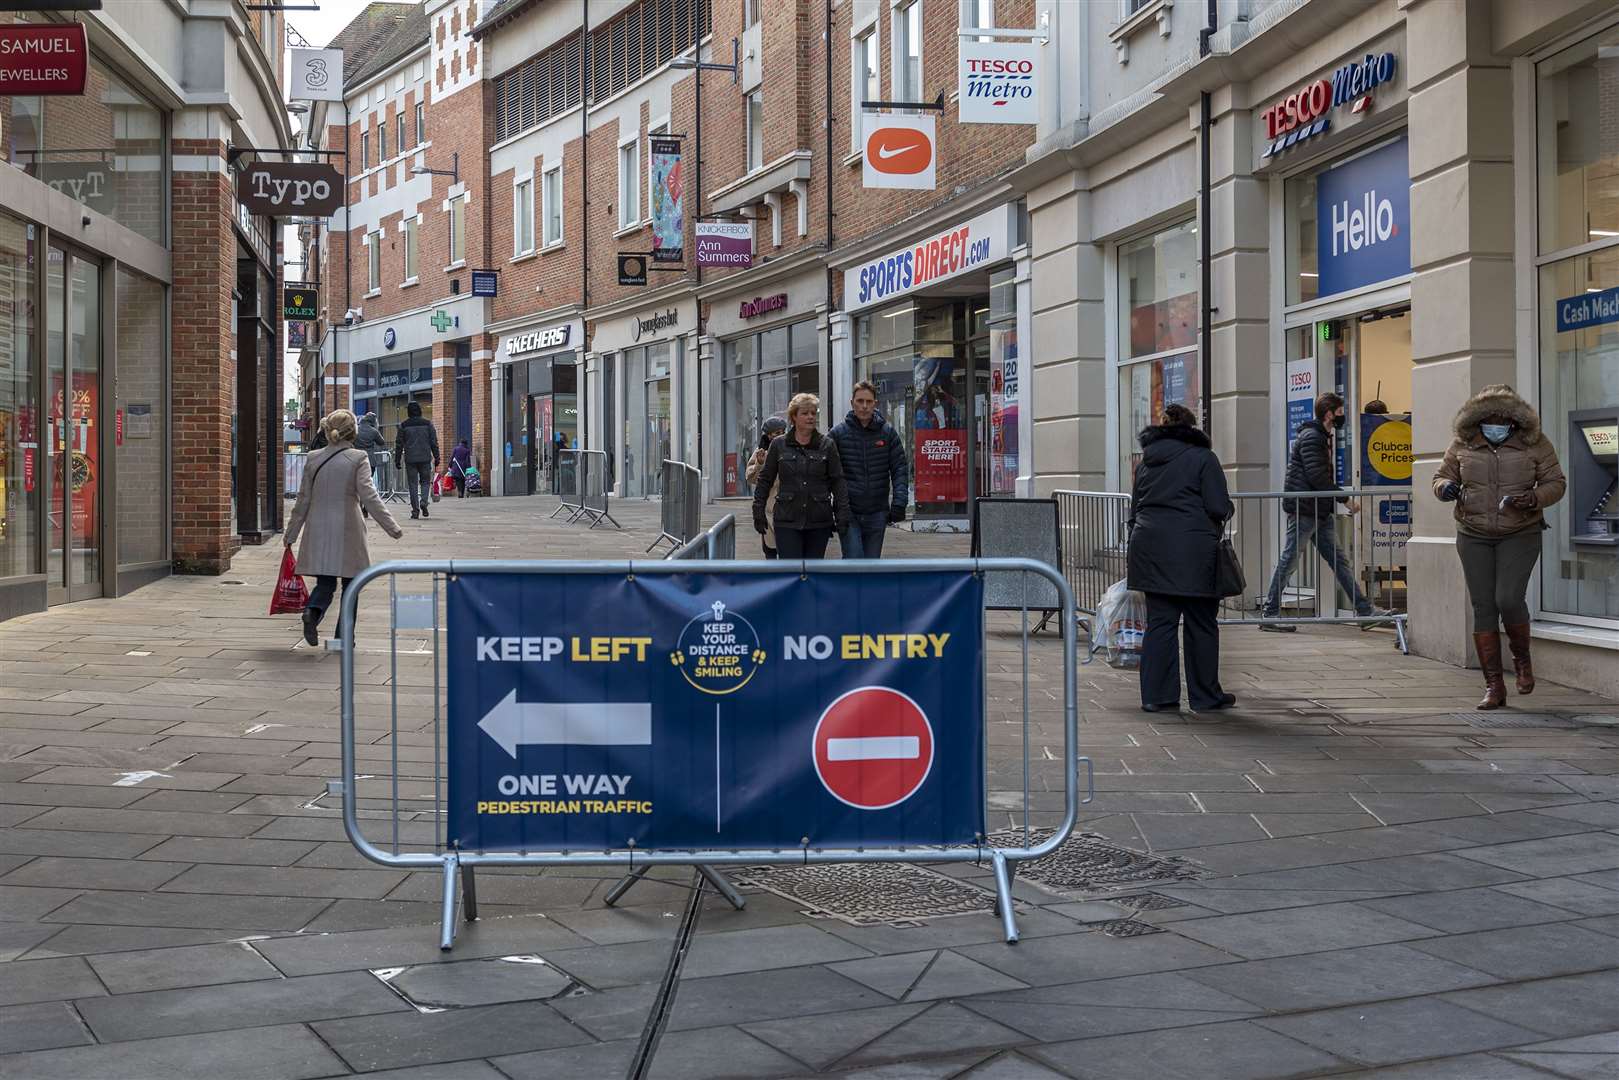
[(1502, 473), (337, 485), (773, 429)]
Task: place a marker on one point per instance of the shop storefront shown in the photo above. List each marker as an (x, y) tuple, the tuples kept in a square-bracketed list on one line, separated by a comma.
[(936, 331), (647, 382), (85, 505), (1576, 328), (387, 385), (1157, 328), (538, 390)]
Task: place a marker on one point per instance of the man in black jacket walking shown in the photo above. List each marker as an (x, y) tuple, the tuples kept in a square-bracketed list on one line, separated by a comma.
[(416, 447), (877, 472), (1310, 468)]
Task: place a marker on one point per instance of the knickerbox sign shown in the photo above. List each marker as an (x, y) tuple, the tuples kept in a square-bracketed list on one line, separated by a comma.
[(48, 60), (725, 243), (1307, 112), (290, 189), (996, 82), (715, 711), (1363, 220), (973, 245), (551, 337)]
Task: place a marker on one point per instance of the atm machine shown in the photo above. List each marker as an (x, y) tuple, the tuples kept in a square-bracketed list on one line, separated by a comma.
[(1593, 477)]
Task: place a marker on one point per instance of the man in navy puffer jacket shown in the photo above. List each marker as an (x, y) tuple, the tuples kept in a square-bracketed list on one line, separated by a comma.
[(876, 471)]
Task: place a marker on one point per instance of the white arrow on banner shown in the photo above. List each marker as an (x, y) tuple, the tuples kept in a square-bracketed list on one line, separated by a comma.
[(513, 723)]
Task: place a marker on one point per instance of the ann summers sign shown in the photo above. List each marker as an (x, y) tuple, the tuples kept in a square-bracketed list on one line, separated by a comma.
[(1363, 220)]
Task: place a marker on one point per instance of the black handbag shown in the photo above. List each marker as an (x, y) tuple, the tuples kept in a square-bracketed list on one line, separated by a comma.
[(1229, 579)]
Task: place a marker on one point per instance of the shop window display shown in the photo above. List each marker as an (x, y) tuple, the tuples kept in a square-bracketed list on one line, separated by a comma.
[(762, 373), (19, 396)]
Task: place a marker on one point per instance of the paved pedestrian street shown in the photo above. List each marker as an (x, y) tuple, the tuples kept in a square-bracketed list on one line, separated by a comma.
[(1351, 873)]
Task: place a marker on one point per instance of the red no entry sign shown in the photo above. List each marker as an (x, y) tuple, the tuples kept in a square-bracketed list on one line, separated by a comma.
[(873, 748)]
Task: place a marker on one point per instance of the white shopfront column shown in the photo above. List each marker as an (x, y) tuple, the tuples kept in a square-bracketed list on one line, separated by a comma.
[(494, 473)]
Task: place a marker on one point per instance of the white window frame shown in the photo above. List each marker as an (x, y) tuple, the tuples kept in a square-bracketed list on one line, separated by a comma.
[(399, 128), (421, 122), (522, 187), (902, 90), (382, 140), (753, 141), (629, 183), (659, 129), (410, 228), (365, 150), (373, 263), (457, 204), (547, 241), (975, 14), (752, 13), (868, 32)]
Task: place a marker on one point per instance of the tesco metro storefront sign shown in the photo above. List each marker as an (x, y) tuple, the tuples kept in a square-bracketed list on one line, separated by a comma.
[(972, 245), (1306, 112)]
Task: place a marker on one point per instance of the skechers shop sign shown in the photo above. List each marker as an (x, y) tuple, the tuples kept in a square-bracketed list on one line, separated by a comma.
[(970, 246)]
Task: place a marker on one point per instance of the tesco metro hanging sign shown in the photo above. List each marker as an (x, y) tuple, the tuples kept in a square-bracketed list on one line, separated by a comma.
[(49, 60), (972, 245), (1307, 111), (996, 83), (1363, 220)]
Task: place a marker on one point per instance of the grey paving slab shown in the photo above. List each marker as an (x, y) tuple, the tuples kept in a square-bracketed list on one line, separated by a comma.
[(610, 1014), (149, 822), (1061, 959), (1602, 814), (611, 1059), (18, 938), (394, 1041), (1554, 855), (25, 981), (1528, 952), (31, 794), (1570, 894), (450, 1070), (1011, 1066), (1505, 827), (73, 873), (1288, 931), (287, 1052), (221, 1008), (167, 969), (1573, 1005), (1436, 871), (1391, 1032), (17, 815), (733, 952), (1324, 980), (109, 845), (285, 881), (947, 975), (1464, 910), (487, 981), (768, 995), (44, 1026), (941, 1029), (189, 910), (364, 950), (233, 851), (828, 1038), (91, 940), (1167, 831), (1464, 1067), (1236, 1049), (1404, 809), (21, 903)]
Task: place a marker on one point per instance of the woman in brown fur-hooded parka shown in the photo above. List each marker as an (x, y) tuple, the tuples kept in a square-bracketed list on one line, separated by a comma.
[(1501, 472)]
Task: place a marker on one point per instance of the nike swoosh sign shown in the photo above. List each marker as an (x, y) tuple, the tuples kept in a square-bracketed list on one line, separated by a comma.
[(886, 151)]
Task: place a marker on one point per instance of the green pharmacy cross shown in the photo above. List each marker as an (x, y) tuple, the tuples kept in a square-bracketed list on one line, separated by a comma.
[(441, 321)]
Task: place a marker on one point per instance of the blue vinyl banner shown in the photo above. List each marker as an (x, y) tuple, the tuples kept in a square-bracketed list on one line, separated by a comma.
[(1363, 220), (596, 711)]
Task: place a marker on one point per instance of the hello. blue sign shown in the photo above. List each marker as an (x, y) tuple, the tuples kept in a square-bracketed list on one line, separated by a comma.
[(1363, 220)]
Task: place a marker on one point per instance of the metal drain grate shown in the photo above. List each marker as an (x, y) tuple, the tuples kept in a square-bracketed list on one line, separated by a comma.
[(1127, 928), (1148, 901), (1088, 863), (1505, 718), (870, 894)]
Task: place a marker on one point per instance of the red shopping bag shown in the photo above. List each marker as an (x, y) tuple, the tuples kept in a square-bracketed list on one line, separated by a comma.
[(290, 596)]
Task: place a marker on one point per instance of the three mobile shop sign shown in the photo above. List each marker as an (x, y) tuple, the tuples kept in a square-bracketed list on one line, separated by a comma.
[(715, 711)]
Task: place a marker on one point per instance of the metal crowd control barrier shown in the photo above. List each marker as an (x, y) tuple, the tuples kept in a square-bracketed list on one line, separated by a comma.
[(1017, 528), (292, 477), (1358, 539), (582, 486), (388, 477), (403, 790), (682, 508), (718, 541)]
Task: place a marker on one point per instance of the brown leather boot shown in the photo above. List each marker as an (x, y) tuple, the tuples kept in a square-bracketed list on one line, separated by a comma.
[(1518, 639), (1488, 647)]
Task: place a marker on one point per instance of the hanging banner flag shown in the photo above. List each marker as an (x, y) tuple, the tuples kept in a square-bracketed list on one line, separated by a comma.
[(899, 151), (668, 211), (725, 243), (996, 83), (297, 335), (317, 75)]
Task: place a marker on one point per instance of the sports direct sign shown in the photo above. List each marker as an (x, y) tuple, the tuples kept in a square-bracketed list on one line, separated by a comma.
[(705, 711), (996, 83), (973, 245), (1307, 111)]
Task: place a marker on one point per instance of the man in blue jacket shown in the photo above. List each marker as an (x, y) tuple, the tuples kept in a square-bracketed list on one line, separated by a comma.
[(876, 471)]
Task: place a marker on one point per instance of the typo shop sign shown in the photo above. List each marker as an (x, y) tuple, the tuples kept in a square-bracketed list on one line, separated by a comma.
[(1363, 220), (43, 60), (290, 189)]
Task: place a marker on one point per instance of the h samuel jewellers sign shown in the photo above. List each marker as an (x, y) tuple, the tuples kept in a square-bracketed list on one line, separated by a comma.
[(1307, 112)]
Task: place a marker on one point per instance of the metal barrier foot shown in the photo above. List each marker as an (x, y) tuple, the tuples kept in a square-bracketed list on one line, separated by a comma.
[(722, 886), (447, 930), (1399, 635), (1003, 896), (625, 883), (469, 895)]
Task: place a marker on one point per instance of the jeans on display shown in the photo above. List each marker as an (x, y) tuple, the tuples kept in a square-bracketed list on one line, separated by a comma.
[(802, 543), (418, 474), (863, 539), (1302, 527)]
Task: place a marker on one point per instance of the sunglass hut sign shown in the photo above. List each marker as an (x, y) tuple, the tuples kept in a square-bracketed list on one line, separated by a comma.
[(1307, 112)]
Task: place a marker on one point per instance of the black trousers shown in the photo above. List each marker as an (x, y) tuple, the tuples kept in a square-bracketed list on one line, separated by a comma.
[(1497, 570), (320, 597), (1160, 652), (802, 543)]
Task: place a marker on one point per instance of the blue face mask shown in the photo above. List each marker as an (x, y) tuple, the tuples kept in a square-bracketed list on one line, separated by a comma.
[(1496, 433)]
